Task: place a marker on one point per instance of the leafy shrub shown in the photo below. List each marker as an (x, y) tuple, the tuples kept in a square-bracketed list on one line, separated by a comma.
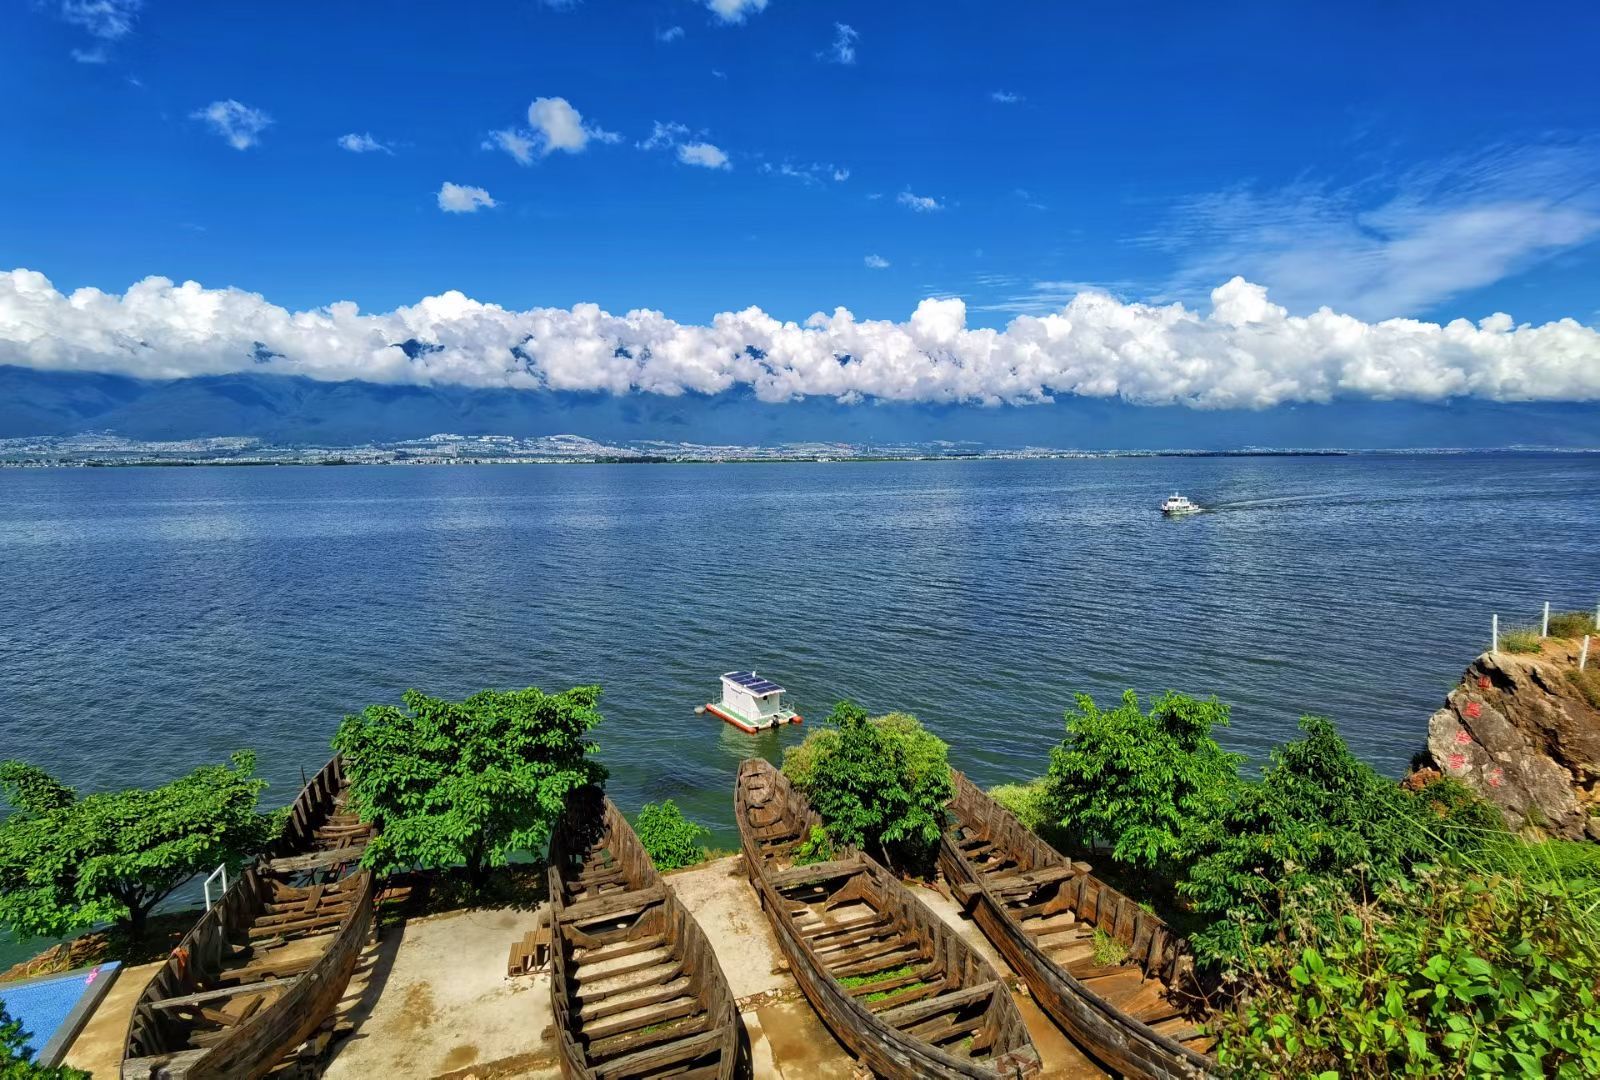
[(1140, 783), (815, 848), (1029, 803), (1450, 975), (68, 863), (466, 783), (1320, 825), (672, 840), (1521, 639), (16, 1060), (881, 784), (1571, 624), (1107, 949)]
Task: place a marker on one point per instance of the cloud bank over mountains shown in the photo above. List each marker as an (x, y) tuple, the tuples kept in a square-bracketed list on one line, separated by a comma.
[(1246, 352)]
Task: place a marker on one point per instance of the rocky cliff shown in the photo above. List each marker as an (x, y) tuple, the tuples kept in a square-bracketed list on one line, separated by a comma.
[(1523, 731)]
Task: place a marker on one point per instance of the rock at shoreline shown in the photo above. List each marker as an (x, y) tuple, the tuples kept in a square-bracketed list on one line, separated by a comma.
[(1524, 733)]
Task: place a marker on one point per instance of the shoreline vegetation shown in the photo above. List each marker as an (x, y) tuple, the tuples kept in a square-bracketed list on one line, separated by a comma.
[(1340, 922)]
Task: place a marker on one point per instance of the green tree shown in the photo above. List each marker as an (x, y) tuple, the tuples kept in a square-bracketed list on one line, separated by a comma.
[(672, 840), (466, 783), (67, 863), (882, 784), (1140, 783), (16, 1060), (1320, 826)]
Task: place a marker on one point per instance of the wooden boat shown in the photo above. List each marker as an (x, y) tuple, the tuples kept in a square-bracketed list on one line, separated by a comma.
[(636, 989), (266, 965), (895, 983), (1041, 911)]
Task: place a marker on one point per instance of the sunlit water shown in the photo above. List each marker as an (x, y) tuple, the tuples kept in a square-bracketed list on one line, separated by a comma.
[(155, 619)]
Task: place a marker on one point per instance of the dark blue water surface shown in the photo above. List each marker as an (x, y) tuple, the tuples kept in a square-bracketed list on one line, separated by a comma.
[(155, 619)]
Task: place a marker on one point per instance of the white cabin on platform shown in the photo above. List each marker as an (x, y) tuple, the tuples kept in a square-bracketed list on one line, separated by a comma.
[(751, 703)]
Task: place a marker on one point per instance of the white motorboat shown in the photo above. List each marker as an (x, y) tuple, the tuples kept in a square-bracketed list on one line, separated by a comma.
[(1178, 505)]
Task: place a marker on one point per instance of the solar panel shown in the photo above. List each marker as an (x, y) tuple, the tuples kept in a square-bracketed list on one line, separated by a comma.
[(752, 682)]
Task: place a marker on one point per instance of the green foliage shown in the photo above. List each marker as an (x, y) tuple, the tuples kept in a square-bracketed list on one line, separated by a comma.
[(672, 840), (815, 848), (1107, 949), (16, 1060), (467, 783), (1521, 639), (1571, 624), (882, 977), (1453, 974), (878, 783), (1141, 783), (1030, 804), (67, 863), (1320, 824)]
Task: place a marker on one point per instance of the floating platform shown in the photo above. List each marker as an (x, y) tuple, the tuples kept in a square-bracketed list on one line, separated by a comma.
[(752, 704)]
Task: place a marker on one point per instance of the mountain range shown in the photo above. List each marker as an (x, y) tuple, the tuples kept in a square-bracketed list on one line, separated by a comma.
[(298, 411)]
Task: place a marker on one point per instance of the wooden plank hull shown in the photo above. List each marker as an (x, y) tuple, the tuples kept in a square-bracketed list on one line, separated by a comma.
[(635, 987), (268, 962), (1040, 910), (894, 983)]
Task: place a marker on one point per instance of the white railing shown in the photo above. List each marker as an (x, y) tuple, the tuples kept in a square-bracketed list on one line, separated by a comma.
[(220, 871)]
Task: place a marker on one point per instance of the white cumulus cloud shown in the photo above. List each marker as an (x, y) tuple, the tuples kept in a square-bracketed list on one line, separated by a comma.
[(670, 34), (363, 144), (553, 124), (1244, 352), (239, 124), (876, 262), (703, 153), (462, 198), (735, 10), (1005, 97), (922, 204)]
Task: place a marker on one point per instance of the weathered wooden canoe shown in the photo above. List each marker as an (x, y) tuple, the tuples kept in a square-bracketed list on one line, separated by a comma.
[(636, 989), (1041, 910), (896, 984), (267, 964)]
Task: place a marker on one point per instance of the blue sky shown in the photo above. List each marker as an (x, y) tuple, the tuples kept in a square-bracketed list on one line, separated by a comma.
[(1381, 159)]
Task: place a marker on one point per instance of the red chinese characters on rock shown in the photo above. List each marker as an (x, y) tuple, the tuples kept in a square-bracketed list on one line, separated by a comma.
[(1463, 737), (1483, 682), (1458, 762), (1473, 710), (1497, 777)]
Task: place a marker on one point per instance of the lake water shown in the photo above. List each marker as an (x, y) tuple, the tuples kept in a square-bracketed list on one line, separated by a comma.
[(155, 619)]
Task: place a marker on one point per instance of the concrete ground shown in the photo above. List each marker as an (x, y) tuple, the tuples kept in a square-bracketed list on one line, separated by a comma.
[(98, 1047), (432, 999)]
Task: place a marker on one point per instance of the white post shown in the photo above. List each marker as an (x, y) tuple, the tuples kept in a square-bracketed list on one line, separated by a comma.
[(1583, 654), (1544, 627), (1494, 634)]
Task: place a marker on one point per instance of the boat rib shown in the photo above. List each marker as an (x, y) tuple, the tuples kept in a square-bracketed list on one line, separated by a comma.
[(267, 963), (636, 989), (1041, 911), (895, 983)]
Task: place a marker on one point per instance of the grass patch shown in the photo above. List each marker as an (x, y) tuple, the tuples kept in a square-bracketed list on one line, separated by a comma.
[(1107, 949), (850, 981), (1588, 683), (1520, 639), (1571, 624)]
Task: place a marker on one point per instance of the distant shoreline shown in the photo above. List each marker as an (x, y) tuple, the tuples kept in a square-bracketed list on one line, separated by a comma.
[(312, 458)]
